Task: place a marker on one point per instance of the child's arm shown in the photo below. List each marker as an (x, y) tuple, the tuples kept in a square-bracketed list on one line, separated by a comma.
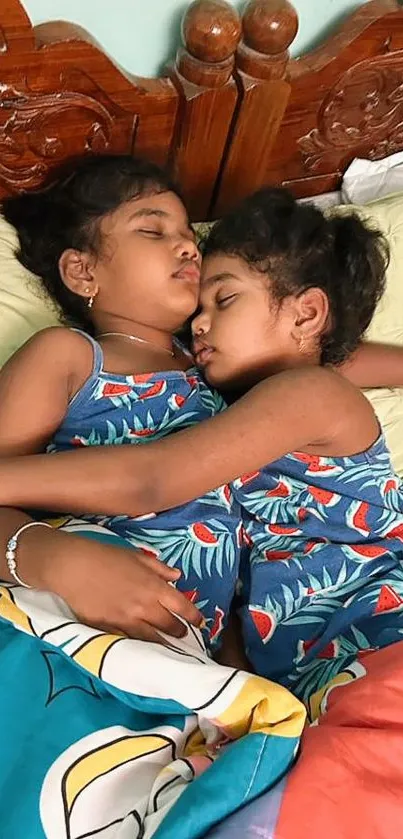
[(34, 391), (128, 592), (375, 365), (295, 410), (111, 588)]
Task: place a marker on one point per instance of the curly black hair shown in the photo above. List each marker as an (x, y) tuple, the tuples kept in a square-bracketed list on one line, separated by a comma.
[(298, 247), (68, 213)]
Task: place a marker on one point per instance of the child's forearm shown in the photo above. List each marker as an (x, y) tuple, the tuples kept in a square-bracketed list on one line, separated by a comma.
[(40, 549), (135, 480), (375, 365), (93, 481)]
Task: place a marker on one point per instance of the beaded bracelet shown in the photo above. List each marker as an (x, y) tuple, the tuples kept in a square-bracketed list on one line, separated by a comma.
[(11, 550)]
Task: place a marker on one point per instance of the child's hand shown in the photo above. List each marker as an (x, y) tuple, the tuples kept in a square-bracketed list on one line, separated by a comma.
[(115, 589)]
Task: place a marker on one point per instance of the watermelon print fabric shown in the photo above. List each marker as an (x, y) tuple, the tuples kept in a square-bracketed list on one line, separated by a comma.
[(202, 538), (323, 576)]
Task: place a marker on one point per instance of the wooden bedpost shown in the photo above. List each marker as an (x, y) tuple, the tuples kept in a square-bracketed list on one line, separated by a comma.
[(203, 76), (269, 27), (19, 32)]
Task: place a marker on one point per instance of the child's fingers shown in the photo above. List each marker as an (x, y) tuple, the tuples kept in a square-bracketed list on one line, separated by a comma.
[(154, 564), (165, 621), (158, 620), (169, 598), (176, 602), (142, 631)]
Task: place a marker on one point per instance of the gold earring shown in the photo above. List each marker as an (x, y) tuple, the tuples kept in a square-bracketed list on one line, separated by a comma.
[(301, 344), (90, 301)]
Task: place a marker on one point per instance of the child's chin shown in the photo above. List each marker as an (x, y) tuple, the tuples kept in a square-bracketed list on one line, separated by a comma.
[(231, 384), (215, 377), (208, 375)]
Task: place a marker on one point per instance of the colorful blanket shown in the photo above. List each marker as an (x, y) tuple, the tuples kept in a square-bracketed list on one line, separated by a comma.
[(348, 781), (111, 738)]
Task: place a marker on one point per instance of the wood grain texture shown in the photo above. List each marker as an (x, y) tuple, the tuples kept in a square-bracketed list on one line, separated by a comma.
[(302, 127), (203, 76), (61, 97), (233, 112)]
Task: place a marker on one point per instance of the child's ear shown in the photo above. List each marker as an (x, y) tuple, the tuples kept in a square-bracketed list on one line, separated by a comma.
[(77, 272), (311, 316)]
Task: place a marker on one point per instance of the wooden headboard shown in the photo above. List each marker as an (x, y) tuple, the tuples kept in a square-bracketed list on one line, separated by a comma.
[(233, 112)]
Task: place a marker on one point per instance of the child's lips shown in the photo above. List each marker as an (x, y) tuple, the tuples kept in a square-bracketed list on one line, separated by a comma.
[(202, 354), (190, 273)]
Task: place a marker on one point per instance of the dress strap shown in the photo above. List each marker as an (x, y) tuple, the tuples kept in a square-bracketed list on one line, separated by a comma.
[(98, 361)]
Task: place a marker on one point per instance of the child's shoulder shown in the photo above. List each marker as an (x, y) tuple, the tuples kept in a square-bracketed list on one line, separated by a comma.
[(64, 350), (337, 417), (313, 385), (60, 336), (326, 381), (67, 343)]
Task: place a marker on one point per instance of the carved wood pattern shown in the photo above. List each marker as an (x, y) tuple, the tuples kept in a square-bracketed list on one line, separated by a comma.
[(364, 109), (233, 113), (36, 131), (67, 98), (61, 97), (302, 125)]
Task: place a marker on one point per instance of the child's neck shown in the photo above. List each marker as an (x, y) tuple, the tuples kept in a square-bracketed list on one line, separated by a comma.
[(238, 389), (145, 334)]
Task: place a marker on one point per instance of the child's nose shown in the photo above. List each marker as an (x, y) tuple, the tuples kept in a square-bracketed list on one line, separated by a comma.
[(187, 249), (200, 325)]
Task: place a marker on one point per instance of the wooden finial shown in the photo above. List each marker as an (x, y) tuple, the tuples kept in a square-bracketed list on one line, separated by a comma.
[(211, 30), (269, 27), (203, 76)]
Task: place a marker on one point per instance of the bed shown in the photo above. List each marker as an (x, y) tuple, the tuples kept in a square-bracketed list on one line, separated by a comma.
[(259, 116), (232, 113)]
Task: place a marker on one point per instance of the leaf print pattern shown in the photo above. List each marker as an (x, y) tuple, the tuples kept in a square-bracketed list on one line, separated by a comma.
[(325, 570), (203, 538)]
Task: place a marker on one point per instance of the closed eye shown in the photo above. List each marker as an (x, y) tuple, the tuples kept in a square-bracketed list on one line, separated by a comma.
[(225, 301), (149, 232)]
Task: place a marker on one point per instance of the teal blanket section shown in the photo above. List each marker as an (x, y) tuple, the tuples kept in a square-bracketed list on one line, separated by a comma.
[(47, 703), (104, 737), (245, 769)]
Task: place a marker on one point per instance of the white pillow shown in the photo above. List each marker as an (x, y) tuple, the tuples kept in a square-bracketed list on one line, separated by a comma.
[(387, 324), (370, 180), (24, 306)]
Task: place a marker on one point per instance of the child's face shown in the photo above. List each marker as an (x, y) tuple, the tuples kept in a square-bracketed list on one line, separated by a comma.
[(149, 269), (241, 334)]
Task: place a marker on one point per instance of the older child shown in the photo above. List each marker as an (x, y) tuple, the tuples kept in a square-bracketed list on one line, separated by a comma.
[(117, 253)]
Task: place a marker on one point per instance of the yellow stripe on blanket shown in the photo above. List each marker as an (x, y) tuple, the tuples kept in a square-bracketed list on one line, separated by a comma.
[(92, 653), (264, 707), (12, 613), (105, 759)]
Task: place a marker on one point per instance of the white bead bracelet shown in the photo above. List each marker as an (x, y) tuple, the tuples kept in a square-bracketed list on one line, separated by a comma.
[(11, 550)]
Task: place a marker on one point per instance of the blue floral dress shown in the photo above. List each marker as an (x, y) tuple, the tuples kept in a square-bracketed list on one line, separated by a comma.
[(323, 576), (201, 538)]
